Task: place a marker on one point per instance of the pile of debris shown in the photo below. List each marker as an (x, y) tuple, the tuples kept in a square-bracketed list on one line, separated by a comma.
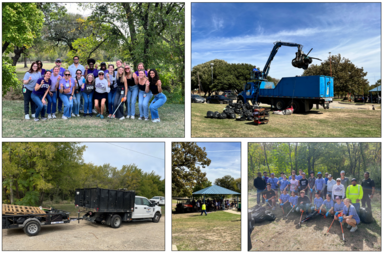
[(244, 112)]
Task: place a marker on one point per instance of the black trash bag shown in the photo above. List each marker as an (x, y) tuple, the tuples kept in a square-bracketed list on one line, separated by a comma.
[(216, 114), (209, 114), (231, 116), (249, 118), (269, 216), (237, 111), (229, 111), (222, 116), (365, 215)]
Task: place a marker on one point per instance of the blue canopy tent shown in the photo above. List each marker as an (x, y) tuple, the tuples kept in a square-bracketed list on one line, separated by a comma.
[(378, 90), (216, 190)]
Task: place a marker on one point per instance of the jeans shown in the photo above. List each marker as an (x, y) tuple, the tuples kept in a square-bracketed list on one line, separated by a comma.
[(52, 103), (259, 195), (111, 101), (357, 207), (27, 99), (120, 111), (143, 103), (39, 105), (87, 102), (157, 102), (68, 104), (60, 103), (131, 99), (203, 211), (76, 103)]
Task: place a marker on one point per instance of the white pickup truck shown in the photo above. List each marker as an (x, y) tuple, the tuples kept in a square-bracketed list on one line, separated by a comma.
[(158, 200)]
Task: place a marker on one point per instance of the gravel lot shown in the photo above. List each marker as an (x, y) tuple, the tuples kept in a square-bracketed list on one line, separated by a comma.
[(141, 235)]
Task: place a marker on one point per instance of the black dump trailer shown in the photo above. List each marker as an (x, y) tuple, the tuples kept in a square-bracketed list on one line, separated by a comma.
[(109, 207)]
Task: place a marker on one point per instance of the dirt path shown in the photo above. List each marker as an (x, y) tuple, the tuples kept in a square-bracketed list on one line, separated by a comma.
[(144, 235), (232, 211)]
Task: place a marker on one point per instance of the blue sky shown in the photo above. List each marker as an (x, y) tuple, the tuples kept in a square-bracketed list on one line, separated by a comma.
[(117, 155), (245, 32), (225, 160)]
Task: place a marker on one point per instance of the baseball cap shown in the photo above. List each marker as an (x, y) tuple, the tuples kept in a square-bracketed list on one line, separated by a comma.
[(337, 197), (338, 179), (319, 173), (353, 179), (342, 172), (272, 173), (329, 176), (101, 72), (58, 60), (303, 173)]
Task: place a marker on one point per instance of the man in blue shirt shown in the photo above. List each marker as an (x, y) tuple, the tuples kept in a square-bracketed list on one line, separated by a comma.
[(273, 181), (256, 72), (320, 184)]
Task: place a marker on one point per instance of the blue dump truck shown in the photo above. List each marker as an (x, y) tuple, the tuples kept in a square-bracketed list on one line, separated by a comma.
[(303, 92)]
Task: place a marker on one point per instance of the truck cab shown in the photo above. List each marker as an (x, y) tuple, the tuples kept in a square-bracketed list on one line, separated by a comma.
[(158, 200), (145, 209)]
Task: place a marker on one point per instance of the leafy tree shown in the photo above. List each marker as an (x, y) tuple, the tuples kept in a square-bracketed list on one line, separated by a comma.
[(22, 23), (187, 160), (202, 185), (9, 77), (227, 182), (348, 78)]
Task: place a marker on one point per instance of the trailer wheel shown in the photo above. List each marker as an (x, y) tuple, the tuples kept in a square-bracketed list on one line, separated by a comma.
[(156, 218), (116, 221), (297, 106), (32, 228), (280, 105)]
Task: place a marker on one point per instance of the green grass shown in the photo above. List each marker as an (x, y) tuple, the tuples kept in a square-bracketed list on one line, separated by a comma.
[(14, 125), (217, 231), (316, 123)]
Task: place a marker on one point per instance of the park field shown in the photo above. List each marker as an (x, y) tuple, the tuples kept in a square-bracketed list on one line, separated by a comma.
[(283, 234), (218, 231), (14, 125), (316, 123)]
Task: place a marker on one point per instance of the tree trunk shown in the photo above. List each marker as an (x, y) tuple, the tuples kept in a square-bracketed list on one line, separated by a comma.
[(290, 155), (266, 159), (11, 190), (350, 159), (25, 61), (18, 51), (309, 157), (295, 158), (363, 157), (5, 46)]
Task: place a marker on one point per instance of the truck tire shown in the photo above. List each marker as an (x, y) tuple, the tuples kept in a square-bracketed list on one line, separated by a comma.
[(156, 218), (298, 107), (32, 228), (310, 106), (280, 104), (240, 100), (115, 221)]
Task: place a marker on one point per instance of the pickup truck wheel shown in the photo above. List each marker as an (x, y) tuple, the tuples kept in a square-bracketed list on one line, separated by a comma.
[(116, 221), (32, 228), (280, 105), (156, 218)]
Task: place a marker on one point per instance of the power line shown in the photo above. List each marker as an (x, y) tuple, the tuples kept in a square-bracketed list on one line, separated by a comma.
[(135, 151)]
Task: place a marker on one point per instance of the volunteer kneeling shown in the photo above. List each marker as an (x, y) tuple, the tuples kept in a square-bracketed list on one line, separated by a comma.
[(39, 93), (350, 215)]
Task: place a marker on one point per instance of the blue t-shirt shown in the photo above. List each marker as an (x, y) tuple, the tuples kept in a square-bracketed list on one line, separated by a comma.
[(283, 184), (338, 207), (273, 182), (328, 204), (352, 211), (95, 72), (318, 202), (319, 183), (297, 177), (326, 180), (43, 88), (31, 84), (66, 84), (61, 71), (42, 72), (293, 200), (255, 70), (284, 198), (53, 82), (72, 69)]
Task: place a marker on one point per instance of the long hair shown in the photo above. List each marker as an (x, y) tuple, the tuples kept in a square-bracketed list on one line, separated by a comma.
[(154, 80), (122, 78), (39, 68), (31, 70), (93, 79), (129, 74)]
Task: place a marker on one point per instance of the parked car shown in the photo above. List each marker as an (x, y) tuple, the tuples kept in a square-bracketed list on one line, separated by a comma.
[(195, 98), (158, 200), (359, 98), (230, 95), (218, 99)]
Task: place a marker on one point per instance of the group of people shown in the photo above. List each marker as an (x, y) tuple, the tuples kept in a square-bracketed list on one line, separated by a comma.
[(92, 91), (212, 205), (340, 199)]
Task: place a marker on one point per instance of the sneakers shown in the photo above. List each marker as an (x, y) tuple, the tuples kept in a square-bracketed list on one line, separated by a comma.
[(36, 119), (85, 115), (26, 117), (33, 115), (101, 117), (73, 115), (349, 226), (132, 117), (53, 116), (122, 118), (146, 119), (49, 116), (98, 115), (353, 229), (157, 120), (64, 117), (94, 111), (140, 118), (81, 111), (43, 119), (109, 116), (78, 115)]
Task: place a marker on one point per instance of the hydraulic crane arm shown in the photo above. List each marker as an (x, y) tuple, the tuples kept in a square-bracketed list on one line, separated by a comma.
[(278, 44)]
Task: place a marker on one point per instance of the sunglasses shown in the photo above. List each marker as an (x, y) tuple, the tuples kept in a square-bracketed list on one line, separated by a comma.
[(67, 74), (101, 74), (79, 73), (127, 68)]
